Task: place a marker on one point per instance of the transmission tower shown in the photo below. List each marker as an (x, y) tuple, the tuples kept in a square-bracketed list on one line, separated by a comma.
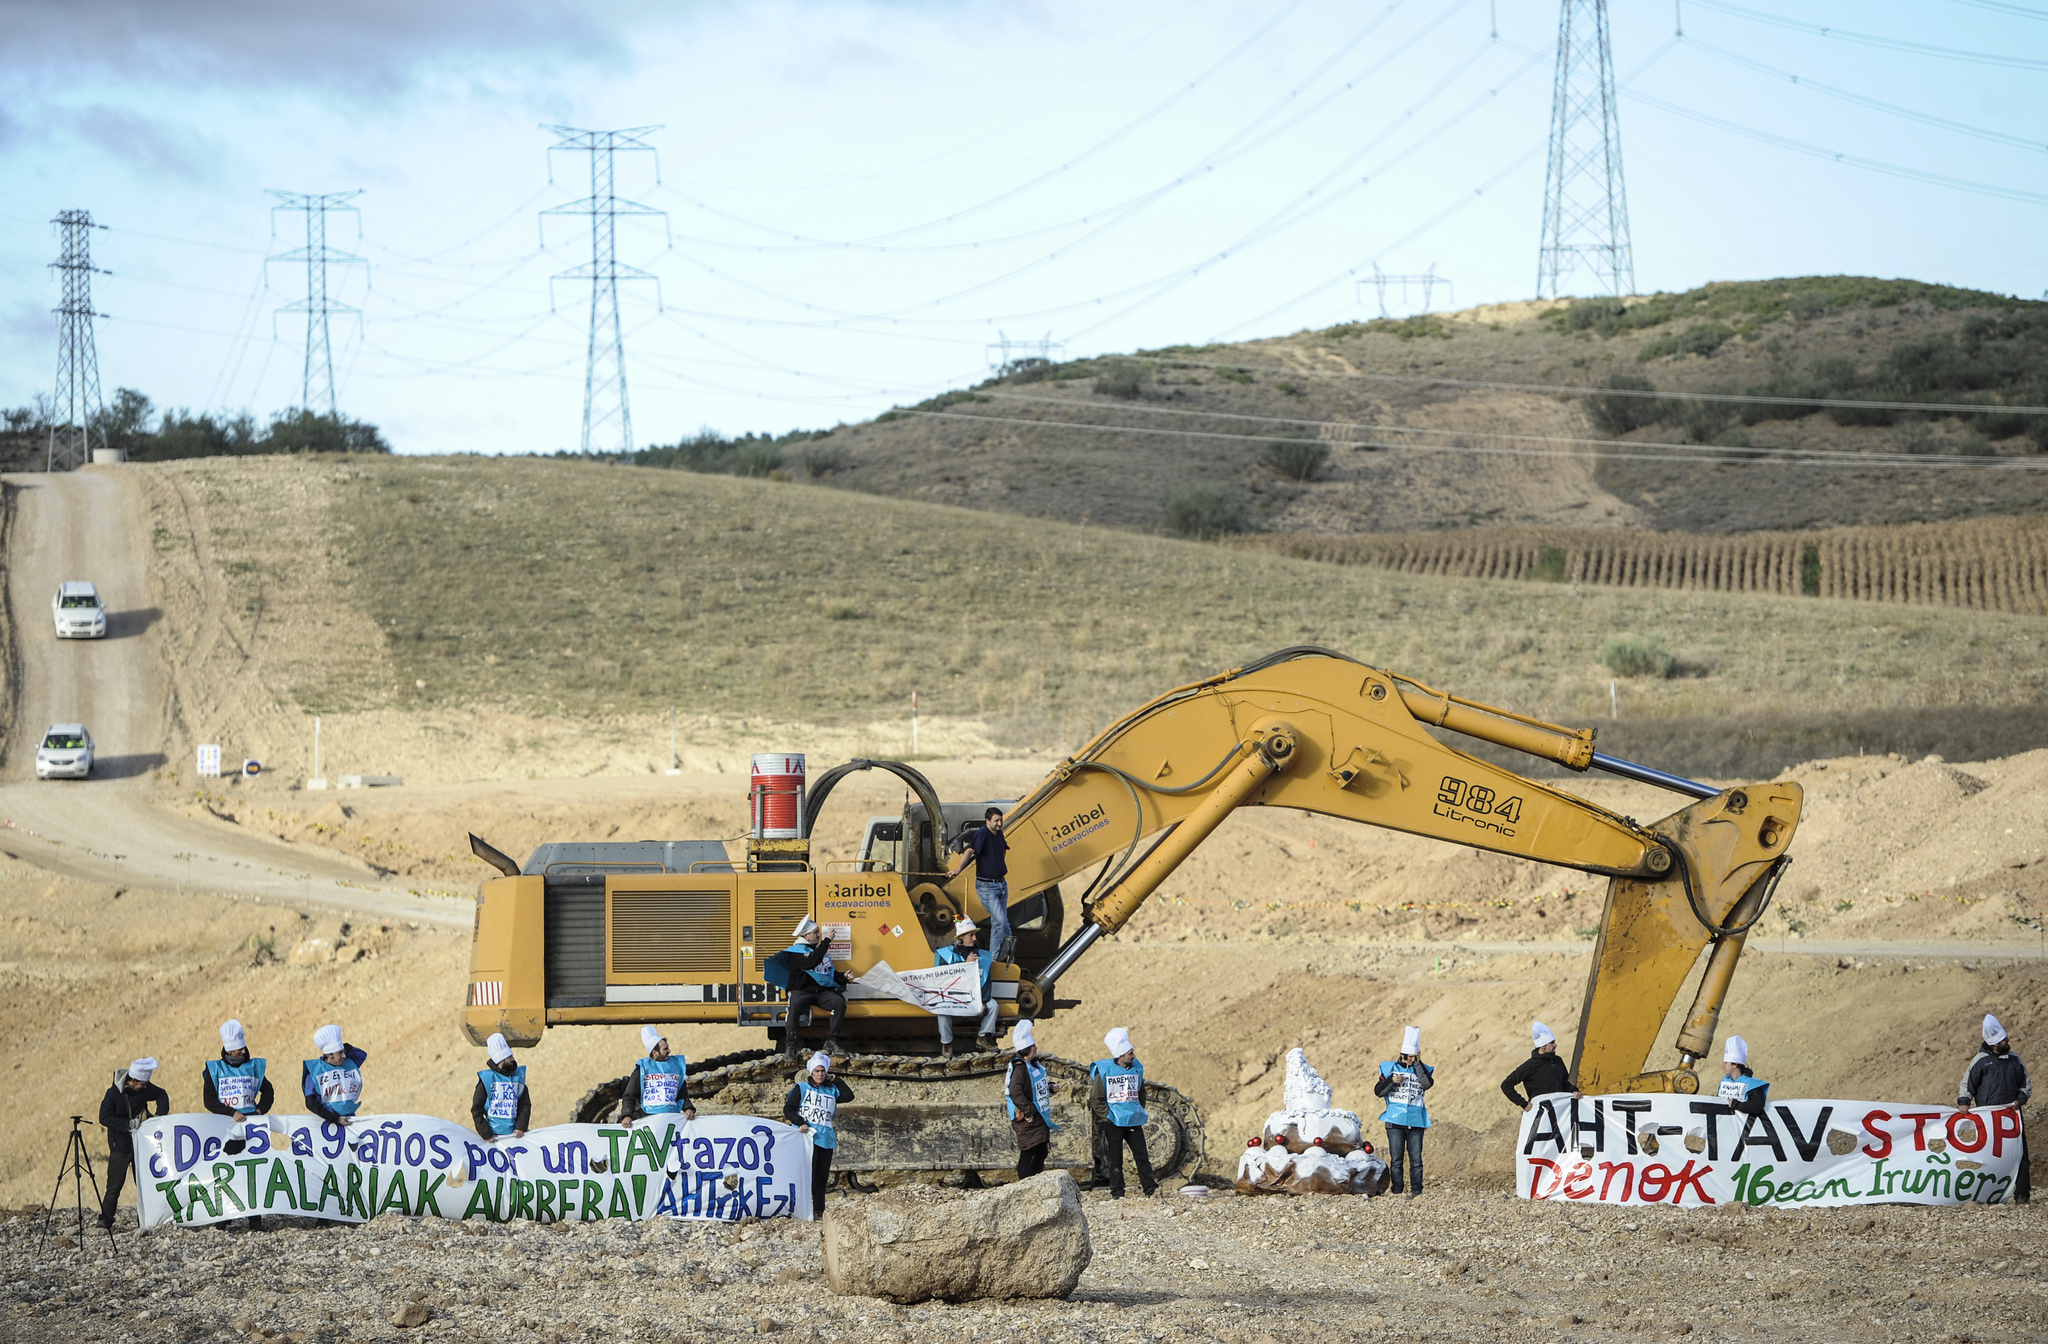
[(316, 392), (604, 378), (1585, 203), (76, 422), (1006, 356), (1427, 282)]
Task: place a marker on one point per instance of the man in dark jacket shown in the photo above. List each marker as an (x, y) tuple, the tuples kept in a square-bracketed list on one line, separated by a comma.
[(131, 1100), (1029, 1095), (1996, 1077), (1542, 1072)]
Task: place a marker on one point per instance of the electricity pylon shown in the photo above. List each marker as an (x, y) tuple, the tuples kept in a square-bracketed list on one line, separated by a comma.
[(316, 389), (76, 420), (1585, 202), (604, 377)]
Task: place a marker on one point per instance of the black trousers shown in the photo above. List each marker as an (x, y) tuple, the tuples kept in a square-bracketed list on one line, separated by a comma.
[(820, 997), (1407, 1137), (120, 1157), (1031, 1161), (1115, 1138), (2023, 1185), (821, 1176)]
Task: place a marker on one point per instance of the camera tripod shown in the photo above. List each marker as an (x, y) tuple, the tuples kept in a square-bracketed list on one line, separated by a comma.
[(77, 1164)]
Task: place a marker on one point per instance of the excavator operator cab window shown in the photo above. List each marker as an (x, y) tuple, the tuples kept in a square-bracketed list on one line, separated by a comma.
[(881, 850), (1028, 915)]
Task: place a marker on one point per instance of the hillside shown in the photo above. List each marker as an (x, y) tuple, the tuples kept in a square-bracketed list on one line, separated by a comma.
[(489, 619), (1106, 441)]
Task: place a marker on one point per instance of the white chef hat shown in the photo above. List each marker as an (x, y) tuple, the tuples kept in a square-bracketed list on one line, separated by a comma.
[(1737, 1052), (1022, 1038), (1411, 1040), (327, 1040), (1994, 1030), (650, 1036), (500, 1052), (821, 1060), (805, 925), (1118, 1042), (1541, 1034), (231, 1037), (140, 1069), (961, 926)]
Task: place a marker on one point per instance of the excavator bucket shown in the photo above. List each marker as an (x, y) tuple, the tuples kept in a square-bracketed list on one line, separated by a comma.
[(1727, 853)]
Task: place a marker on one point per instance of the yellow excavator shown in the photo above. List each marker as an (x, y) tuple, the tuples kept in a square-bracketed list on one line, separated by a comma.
[(677, 931)]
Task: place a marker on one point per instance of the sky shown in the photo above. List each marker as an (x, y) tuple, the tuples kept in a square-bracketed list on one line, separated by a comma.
[(854, 205)]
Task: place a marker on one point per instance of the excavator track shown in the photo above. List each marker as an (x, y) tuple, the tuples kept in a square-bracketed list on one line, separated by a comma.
[(743, 1082)]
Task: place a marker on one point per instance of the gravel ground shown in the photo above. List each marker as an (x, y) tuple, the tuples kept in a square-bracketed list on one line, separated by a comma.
[(1462, 1263)]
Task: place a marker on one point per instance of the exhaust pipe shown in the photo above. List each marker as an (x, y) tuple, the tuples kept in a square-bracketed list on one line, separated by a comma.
[(492, 855)]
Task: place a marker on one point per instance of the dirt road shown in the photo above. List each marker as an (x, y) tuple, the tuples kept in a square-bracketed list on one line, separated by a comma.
[(92, 524)]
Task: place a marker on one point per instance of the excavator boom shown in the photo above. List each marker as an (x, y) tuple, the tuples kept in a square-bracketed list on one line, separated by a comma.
[(1315, 730)]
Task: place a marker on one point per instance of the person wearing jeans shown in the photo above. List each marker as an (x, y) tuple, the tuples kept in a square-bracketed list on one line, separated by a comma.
[(1401, 1084), (989, 852)]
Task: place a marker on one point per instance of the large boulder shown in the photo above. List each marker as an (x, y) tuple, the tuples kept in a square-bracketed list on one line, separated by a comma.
[(915, 1243)]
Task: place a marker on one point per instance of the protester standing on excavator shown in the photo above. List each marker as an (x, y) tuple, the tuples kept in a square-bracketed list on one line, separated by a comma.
[(1116, 1085), (1542, 1072), (131, 1100), (989, 852), (660, 1084), (1030, 1101), (1996, 1077), (1401, 1084), (234, 1085), (813, 1107), (501, 1105), (963, 950), (816, 983), (334, 1081), (1740, 1087)]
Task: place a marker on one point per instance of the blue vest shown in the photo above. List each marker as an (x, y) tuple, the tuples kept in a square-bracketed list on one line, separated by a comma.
[(661, 1085), (819, 1107), (1404, 1099), (1041, 1093), (1123, 1088), (501, 1097), (1738, 1088), (339, 1086), (239, 1086), (822, 972), (949, 956)]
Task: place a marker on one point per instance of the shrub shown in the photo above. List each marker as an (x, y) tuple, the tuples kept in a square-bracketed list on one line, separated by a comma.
[(1617, 415), (1233, 375), (1636, 656), (824, 461), (1602, 315), (1809, 570), (1702, 340), (1296, 459), (1206, 511), (1704, 420), (1550, 565), (1125, 378)]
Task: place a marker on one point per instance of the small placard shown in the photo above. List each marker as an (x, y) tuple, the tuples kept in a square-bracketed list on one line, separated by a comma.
[(209, 762)]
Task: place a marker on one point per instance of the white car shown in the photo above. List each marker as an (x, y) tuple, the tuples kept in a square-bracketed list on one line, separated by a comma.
[(78, 611), (66, 752)]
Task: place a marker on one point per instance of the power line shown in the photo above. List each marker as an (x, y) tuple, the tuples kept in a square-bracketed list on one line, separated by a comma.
[(77, 415), (316, 386), (605, 403), (1585, 201), (1871, 40)]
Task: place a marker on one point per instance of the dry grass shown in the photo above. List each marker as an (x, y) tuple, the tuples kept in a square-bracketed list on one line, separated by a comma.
[(553, 588), (1988, 565)]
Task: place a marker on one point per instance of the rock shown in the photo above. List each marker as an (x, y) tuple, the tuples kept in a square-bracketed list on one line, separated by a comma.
[(412, 1315), (916, 1243), (312, 952)]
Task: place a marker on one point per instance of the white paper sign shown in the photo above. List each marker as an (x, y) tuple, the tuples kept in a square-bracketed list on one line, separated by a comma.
[(1661, 1148), (952, 990), (209, 762), (201, 1169)]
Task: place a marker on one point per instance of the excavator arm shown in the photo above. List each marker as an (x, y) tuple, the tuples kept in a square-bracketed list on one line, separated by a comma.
[(1311, 729)]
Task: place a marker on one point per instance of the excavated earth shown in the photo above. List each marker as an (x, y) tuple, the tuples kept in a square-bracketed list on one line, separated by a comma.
[(1464, 1262)]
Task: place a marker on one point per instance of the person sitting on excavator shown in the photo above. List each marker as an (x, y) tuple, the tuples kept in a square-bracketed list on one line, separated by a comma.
[(1740, 1087), (1115, 1087), (660, 1083), (815, 983), (963, 949), (1996, 1077), (1542, 1072), (989, 852)]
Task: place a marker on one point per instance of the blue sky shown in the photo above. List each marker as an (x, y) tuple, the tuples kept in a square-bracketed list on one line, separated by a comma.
[(862, 198)]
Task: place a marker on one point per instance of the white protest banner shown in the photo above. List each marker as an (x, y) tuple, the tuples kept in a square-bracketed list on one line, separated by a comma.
[(200, 1169), (953, 990), (1659, 1148)]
